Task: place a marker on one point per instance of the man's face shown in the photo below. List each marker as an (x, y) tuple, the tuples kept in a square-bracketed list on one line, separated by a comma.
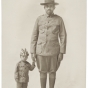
[(49, 8)]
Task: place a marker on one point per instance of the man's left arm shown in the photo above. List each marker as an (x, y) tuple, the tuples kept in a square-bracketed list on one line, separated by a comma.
[(63, 38)]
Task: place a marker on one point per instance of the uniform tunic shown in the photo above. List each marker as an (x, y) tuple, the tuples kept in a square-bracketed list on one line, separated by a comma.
[(21, 73), (46, 35), (48, 40)]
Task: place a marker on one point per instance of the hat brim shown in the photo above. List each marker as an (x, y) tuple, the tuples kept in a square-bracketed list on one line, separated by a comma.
[(49, 3)]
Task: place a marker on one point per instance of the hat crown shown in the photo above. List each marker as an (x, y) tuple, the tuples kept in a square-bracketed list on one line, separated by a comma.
[(49, 1)]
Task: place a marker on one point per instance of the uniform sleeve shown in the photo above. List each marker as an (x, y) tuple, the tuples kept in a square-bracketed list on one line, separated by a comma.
[(16, 72), (31, 67), (34, 37), (63, 37)]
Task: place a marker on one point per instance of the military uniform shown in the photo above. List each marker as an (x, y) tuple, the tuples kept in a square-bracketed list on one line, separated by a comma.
[(48, 38), (21, 73)]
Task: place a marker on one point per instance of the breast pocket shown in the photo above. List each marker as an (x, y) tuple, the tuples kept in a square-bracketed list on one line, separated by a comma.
[(55, 29), (41, 31)]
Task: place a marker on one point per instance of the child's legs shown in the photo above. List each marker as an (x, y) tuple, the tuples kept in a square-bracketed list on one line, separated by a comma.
[(19, 85), (22, 85), (52, 77), (43, 78), (25, 85)]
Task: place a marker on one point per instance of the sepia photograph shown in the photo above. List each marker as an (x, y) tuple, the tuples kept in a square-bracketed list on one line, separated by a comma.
[(44, 43)]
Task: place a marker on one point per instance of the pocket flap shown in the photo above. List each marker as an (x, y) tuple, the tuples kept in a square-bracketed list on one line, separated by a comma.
[(42, 31)]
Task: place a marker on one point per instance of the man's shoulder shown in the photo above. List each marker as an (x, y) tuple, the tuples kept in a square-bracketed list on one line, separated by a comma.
[(41, 16), (57, 16)]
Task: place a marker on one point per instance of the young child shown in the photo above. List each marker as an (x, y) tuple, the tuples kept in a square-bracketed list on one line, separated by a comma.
[(22, 69)]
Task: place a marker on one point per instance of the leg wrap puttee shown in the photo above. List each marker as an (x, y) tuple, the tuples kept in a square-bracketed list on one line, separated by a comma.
[(43, 78), (52, 77)]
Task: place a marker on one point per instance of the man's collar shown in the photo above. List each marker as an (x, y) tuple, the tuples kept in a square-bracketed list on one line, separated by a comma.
[(49, 15)]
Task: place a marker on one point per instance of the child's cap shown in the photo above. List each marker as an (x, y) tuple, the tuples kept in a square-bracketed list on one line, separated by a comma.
[(24, 52)]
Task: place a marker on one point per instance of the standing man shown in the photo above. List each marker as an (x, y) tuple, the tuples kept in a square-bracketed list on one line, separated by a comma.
[(48, 43)]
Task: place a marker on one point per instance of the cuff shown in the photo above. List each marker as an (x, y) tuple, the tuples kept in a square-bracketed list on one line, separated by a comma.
[(62, 50)]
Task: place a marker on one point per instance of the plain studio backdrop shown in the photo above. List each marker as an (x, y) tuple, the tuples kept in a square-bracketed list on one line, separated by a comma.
[(18, 20)]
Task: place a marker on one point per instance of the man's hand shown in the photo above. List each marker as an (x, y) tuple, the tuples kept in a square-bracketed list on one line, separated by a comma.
[(33, 56), (60, 57)]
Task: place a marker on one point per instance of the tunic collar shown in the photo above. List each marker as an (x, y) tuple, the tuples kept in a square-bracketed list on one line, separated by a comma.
[(49, 15)]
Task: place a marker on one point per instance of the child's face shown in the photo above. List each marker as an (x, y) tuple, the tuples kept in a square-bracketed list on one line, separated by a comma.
[(24, 58), (49, 8)]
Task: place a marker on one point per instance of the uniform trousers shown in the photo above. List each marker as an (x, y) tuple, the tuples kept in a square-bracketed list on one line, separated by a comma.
[(47, 63)]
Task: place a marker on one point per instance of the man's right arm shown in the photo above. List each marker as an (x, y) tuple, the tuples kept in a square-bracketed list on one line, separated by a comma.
[(34, 39)]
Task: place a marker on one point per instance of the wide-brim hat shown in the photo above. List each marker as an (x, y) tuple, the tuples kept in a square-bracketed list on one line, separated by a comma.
[(49, 2)]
